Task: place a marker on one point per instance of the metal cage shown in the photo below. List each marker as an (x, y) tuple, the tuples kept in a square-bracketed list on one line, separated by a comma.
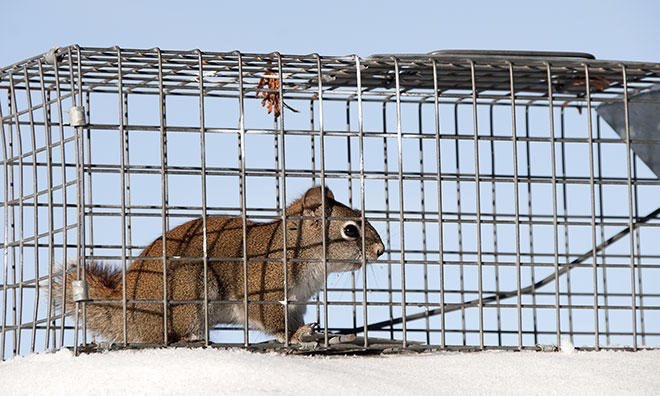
[(516, 193)]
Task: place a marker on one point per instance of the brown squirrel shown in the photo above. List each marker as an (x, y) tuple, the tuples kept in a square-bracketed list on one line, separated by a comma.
[(265, 278)]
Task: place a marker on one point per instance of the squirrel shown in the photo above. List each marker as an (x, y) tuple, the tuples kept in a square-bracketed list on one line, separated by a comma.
[(225, 273)]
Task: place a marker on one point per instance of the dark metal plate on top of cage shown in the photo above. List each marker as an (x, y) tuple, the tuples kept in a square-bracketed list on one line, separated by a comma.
[(452, 70), (494, 54)]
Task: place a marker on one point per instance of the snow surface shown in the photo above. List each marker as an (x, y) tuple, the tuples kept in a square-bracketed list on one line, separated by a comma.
[(211, 371)]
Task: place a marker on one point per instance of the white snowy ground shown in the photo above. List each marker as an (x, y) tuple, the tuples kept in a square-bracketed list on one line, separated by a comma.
[(210, 371)]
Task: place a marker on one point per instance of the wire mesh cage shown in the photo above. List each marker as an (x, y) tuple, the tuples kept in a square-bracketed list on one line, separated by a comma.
[(515, 193)]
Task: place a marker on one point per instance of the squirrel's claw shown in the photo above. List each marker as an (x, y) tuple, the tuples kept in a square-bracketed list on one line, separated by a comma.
[(305, 333)]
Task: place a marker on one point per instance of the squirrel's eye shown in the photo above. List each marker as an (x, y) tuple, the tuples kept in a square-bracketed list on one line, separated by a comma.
[(350, 231)]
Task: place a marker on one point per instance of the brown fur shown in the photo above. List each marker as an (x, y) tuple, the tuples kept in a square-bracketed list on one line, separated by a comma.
[(225, 274)]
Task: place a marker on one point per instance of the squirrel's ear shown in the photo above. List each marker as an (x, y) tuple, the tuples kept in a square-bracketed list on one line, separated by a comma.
[(311, 202)]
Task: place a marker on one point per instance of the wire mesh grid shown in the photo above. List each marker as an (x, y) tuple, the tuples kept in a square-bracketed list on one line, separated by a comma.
[(513, 215)]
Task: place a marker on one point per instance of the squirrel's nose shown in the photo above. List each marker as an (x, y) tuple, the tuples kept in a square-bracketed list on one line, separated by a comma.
[(378, 249)]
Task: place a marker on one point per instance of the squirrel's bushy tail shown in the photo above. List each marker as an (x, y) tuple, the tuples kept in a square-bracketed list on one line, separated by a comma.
[(104, 319)]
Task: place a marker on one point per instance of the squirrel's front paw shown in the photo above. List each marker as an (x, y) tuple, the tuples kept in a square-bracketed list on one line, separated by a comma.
[(305, 333)]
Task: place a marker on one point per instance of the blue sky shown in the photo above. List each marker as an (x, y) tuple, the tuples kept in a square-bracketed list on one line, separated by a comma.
[(626, 30)]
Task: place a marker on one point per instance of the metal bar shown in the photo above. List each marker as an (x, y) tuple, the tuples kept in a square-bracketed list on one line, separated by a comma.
[(80, 204), (285, 262), (125, 136), (438, 149), (164, 190), (45, 96), (122, 186), (79, 196), (312, 147), (87, 188), (8, 175), (35, 224), (555, 235), (336, 174), (516, 203), (587, 92), (324, 225), (17, 300), (379, 215), (633, 293), (360, 120), (459, 222), (530, 215), (428, 135), (423, 220), (638, 249), (388, 237), (243, 198), (202, 143), (65, 260), (378, 326), (349, 187), (601, 221), (566, 216), (402, 239), (495, 220), (477, 186), (410, 262)]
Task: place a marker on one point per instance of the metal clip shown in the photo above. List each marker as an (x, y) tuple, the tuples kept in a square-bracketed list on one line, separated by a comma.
[(50, 57), (77, 116), (80, 291), (546, 348)]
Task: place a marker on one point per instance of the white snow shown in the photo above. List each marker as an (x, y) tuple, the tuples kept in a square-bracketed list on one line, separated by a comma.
[(566, 345), (211, 371)]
